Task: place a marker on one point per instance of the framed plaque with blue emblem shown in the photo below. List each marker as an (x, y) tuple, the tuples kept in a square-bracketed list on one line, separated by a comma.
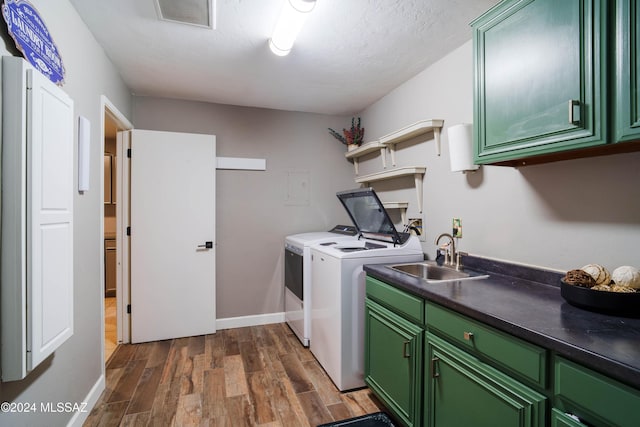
[(32, 38)]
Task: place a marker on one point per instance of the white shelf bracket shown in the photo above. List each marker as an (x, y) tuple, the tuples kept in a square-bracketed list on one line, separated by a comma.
[(436, 136), (418, 180), (392, 150)]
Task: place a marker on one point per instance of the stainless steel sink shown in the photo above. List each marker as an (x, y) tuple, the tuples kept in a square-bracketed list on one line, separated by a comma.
[(434, 273)]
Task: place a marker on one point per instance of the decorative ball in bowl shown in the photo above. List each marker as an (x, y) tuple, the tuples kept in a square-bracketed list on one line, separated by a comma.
[(598, 291)]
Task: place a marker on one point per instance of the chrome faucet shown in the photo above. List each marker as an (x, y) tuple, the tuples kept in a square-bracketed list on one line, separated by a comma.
[(450, 250)]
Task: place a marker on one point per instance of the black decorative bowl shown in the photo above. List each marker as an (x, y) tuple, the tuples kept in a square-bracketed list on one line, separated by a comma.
[(614, 303)]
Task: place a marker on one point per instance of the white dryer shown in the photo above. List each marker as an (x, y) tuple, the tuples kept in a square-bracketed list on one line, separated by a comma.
[(338, 291), (297, 276)]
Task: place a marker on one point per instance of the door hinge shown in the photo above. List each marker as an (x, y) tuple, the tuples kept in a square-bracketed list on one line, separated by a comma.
[(128, 308), (129, 153), (128, 231)]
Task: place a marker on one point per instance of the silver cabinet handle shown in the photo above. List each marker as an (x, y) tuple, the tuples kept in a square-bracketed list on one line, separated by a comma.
[(405, 353), (573, 120), (434, 374), (207, 245)]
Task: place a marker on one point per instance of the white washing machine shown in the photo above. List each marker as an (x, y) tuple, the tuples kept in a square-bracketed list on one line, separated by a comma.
[(297, 276), (338, 291)]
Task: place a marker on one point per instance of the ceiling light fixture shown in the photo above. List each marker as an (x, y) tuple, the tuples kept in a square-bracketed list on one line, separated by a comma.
[(292, 17)]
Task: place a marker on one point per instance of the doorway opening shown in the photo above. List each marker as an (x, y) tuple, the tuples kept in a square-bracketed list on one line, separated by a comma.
[(110, 247), (115, 251)]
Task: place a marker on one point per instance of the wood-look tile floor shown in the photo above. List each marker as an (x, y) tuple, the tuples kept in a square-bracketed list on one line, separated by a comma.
[(253, 376), (110, 327)]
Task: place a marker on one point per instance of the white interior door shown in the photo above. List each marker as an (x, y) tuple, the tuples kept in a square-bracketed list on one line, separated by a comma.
[(123, 219), (172, 235)]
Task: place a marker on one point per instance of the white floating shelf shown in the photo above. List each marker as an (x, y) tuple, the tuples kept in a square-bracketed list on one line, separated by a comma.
[(391, 173), (395, 205), (417, 172), (367, 148), (403, 206), (364, 149), (389, 142), (412, 131)]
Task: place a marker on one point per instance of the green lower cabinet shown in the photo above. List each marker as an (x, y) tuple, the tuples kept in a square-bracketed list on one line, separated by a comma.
[(461, 390), (513, 356), (393, 362), (433, 367), (596, 399), (560, 419)]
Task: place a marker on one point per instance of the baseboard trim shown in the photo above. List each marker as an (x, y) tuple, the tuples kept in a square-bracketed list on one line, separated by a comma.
[(243, 321), (90, 400)]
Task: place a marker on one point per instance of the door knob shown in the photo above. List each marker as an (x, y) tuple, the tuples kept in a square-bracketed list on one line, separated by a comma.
[(207, 245)]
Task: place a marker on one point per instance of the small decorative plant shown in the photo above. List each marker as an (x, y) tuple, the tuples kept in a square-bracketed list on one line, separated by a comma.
[(353, 136)]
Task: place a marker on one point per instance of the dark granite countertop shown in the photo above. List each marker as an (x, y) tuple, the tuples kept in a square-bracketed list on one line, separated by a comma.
[(526, 302)]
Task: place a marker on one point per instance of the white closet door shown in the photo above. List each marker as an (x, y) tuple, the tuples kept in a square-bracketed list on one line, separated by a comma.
[(173, 291), (49, 217)]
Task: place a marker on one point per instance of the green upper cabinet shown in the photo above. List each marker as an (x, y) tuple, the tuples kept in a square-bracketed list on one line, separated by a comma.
[(540, 78), (627, 71)]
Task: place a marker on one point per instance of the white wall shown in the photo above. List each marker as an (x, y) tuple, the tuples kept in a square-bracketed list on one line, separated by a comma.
[(253, 215), (559, 215), (70, 374)]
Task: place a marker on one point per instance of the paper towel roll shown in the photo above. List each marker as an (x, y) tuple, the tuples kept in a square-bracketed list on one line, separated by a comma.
[(461, 148)]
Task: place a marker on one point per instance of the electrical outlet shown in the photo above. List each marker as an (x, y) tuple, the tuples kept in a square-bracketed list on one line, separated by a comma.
[(457, 227), (417, 223)]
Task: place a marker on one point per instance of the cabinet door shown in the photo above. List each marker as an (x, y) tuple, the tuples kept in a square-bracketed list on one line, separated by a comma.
[(107, 179), (50, 187), (627, 71), (538, 66), (463, 391), (393, 361), (110, 266), (37, 218), (560, 419), (595, 398)]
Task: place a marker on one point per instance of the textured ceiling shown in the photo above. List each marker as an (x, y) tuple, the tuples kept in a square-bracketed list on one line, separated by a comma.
[(349, 54)]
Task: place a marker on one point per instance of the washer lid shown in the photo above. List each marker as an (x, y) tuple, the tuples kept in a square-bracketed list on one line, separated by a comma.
[(369, 215), (313, 238)]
